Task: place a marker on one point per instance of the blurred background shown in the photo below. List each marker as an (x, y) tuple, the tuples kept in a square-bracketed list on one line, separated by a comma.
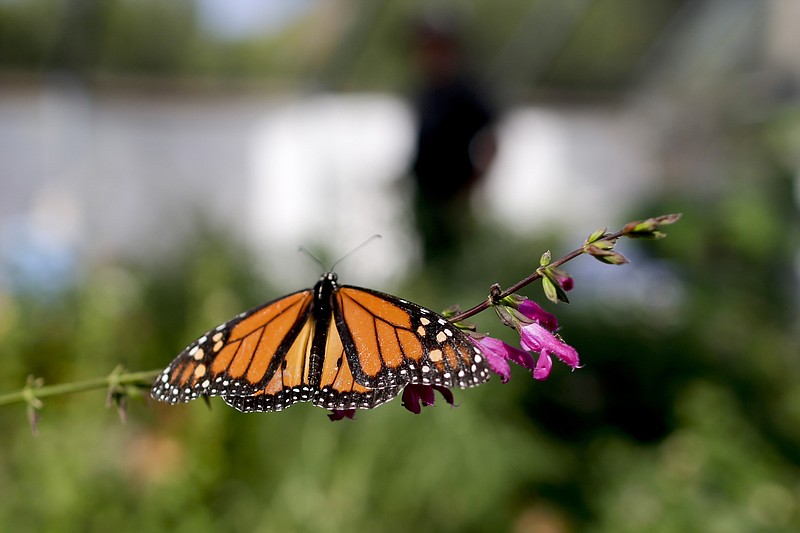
[(161, 162)]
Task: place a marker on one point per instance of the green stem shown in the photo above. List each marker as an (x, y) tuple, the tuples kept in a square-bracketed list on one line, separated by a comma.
[(31, 393)]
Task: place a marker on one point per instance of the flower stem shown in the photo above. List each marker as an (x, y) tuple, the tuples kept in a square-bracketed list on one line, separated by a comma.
[(536, 274), (32, 393)]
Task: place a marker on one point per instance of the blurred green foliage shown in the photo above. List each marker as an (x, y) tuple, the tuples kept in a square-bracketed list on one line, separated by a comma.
[(686, 416), (683, 418), (353, 44)]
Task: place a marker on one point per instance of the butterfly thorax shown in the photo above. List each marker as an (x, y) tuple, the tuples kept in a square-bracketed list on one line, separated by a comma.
[(323, 291), (321, 311)]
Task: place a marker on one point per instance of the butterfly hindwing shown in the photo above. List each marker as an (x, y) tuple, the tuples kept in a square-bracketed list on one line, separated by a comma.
[(390, 341), (238, 357)]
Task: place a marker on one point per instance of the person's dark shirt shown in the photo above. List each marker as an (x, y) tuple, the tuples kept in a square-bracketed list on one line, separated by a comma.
[(450, 117)]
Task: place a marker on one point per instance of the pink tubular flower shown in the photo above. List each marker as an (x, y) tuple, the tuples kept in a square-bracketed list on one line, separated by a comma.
[(415, 394), (498, 353), (543, 367), (536, 328), (533, 311), (536, 338)]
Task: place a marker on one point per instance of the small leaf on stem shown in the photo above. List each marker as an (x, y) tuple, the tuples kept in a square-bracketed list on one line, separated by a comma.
[(648, 229), (608, 256), (505, 316), (597, 235), (550, 290)]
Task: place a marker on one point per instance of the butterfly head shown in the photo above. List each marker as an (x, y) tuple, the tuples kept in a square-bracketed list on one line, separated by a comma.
[(329, 276), (326, 286)]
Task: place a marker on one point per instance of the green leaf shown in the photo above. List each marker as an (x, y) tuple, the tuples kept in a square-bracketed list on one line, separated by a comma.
[(597, 235), (545, 259), (600, 246), (505, 316), (553, 291), (612, 258), (549, 290), (648, 229)]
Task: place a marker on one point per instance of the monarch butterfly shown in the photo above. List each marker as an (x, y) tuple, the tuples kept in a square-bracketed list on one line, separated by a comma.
[(338, 347)]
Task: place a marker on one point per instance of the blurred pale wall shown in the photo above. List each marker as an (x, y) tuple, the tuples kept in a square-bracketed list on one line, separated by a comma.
[(120, 174), (96, 171)]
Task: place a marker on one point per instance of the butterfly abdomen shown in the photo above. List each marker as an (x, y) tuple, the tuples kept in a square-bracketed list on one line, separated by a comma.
[(321, 311)]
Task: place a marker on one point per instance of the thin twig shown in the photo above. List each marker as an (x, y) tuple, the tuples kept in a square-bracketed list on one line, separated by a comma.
[(536, 274), (32, 393)]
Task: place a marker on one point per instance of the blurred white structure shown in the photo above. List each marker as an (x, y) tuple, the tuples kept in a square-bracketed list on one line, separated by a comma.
[(88, 175), (114, 174)]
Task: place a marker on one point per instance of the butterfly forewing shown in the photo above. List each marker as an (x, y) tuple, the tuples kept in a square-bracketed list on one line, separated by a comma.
[(390, 341), (238, 357)]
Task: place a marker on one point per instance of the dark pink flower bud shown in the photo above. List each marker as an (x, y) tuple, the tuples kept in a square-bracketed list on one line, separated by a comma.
[(415, 394), (340, 414)]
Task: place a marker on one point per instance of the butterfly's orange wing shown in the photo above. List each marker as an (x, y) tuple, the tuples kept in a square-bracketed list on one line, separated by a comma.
[(240, 356), (390, 341)]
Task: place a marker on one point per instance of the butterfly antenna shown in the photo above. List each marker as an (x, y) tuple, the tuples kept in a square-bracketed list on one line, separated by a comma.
[(354, 250), (313, 257)]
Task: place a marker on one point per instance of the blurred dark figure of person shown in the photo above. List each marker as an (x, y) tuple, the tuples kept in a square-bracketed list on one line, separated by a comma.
[(455, 143)]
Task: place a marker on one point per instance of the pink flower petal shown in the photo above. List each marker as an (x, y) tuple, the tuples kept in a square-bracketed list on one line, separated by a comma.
[(533, 311), (499, 366), (536, 338), (411, 399), (446, 393), (415, 394), (498, 353), (543, 366), (339, 414), (521, 357), (494, 350)]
